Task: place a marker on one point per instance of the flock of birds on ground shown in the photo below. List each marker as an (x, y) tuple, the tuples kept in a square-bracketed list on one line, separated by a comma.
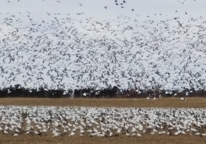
[(64, 53), (101, 122)]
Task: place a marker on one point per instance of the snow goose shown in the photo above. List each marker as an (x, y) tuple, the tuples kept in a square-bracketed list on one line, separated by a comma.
[(72, 133)]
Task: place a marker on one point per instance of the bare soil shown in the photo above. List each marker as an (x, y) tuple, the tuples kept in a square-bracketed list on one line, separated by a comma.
[(146, 139), (196, 102)]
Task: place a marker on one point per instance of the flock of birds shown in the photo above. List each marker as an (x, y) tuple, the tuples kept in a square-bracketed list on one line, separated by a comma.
[(64, 53), (101, 122), (59, 54)]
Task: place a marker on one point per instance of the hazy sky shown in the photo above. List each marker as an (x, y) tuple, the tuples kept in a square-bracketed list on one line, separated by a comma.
[(164, 9)]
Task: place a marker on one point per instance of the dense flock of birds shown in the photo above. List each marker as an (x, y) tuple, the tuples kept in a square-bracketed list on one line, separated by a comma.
[(59, 55), (70, 54), (101, 122)]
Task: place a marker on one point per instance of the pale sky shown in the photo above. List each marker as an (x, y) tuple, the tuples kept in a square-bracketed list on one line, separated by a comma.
[(164, 9)]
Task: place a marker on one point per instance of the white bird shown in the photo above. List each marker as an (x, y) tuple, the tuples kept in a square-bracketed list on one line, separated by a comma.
[(128, 134), (203, 134), (139, 135), (119, 130), (5, 132), (72, 133), (182, 98)]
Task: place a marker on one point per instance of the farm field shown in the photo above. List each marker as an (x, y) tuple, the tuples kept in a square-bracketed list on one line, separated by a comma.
[(147, 108), (191, 102), (147, 139)]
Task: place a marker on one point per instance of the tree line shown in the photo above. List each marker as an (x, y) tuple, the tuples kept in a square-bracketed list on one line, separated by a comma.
[(110, 92)]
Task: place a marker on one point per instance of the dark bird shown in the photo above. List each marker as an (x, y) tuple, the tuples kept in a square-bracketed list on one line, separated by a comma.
[(179, 23)]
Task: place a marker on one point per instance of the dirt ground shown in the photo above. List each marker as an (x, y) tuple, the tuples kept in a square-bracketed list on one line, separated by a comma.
[(162, 102), (147, 139)]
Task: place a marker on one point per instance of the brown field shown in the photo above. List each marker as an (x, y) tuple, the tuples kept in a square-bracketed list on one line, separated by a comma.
[(162, 102), (146, 139), (121, 139)]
